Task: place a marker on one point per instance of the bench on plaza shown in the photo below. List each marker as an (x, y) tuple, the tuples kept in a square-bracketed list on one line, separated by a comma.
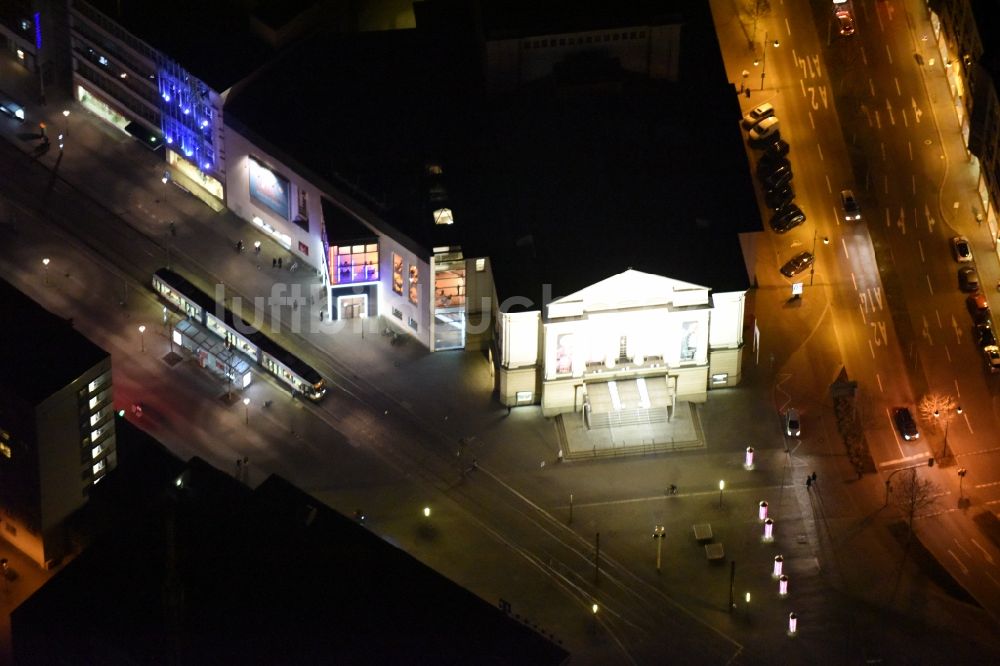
[(714, 551), (702, 532)]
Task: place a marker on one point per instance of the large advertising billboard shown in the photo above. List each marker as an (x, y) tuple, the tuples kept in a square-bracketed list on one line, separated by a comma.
[(269, 189)]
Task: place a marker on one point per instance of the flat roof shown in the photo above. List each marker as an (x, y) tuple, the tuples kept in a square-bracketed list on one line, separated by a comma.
[(40, 352), (558, 185), (523, 18), (212, 40), (214, 572)]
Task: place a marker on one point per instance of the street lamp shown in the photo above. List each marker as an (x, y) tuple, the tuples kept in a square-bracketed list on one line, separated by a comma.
[(812, 268), (246, 407), (142, 337), (947, 423), (722, 486), (763, 61), (659, 533), (45, 263)]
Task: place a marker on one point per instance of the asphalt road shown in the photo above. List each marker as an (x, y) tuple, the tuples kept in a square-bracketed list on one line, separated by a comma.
[(863, 113)]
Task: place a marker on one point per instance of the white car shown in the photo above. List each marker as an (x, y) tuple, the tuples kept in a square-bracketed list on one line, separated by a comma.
[(765, 129), (792, 426), (757, 114)]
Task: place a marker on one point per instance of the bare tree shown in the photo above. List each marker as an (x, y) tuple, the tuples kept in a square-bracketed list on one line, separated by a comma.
[(937, 410), (911, 495)]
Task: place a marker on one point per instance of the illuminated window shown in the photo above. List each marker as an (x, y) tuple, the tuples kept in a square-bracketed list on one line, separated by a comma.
[(4, 450), (96, 451), (99, 467), (443, 216), (480, 265), (99, 382), (355, 263)]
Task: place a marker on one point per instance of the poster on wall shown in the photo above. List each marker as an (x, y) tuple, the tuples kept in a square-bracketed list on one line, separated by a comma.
[(689, 340), (397, 274), (564, 354), (414, 280), (269, 189)]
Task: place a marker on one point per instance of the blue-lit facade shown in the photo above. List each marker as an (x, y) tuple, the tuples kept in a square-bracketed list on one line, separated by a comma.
[(187, 116)]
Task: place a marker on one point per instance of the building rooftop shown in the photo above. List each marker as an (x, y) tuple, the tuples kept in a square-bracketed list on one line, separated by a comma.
[(523, 18), (214, 572), (40, 353), (558, 184), (216, 41)]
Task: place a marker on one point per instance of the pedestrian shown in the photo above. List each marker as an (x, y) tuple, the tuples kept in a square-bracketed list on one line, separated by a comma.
[(279, 262), (809, 482), (673, 489), (295, 305), (274, 262), (321, 313), (813, 477), (747, 93)]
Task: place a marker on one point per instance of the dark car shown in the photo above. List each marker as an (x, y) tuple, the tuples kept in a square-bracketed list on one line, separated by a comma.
[(852, 211), (787, 219), (978, 307), (797, 264), (779, 198), (777, 178), (984, 335), (769, 164), (905, 424), (779, 148), (968, 279)]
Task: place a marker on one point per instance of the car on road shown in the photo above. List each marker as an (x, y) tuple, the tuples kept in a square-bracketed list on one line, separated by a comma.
[(905, 424), (787, 219), (792, 426), (797, 264), (978, 307), (852, 211), (984, 335), (845, 22), (961, 250), (991, 355), (779, 198), (757, 114), (778, 178), (778, 148), (765, 129), (968, 279)]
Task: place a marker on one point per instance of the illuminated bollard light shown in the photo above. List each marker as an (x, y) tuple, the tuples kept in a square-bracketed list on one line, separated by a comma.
[(748, 462), (793, 624), (762, 511), (783, 585), (768, 531), (778, 562)]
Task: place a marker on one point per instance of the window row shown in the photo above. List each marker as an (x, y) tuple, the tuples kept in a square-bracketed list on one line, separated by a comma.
[(587, 39)]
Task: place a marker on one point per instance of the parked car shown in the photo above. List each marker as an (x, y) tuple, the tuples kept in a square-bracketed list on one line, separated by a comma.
[(765, 129), (757, 114), (852, 211), (968, 279), (797, 264), (984, 335), (778, 148), (905, 424), (978, 307), (961, 250), (845, 22), (991, 355), (779, 198), (768, 165), (792, 426), (777, 178), (787, 219)]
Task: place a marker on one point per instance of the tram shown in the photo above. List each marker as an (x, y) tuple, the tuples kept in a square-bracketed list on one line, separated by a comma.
[(274, 358)]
